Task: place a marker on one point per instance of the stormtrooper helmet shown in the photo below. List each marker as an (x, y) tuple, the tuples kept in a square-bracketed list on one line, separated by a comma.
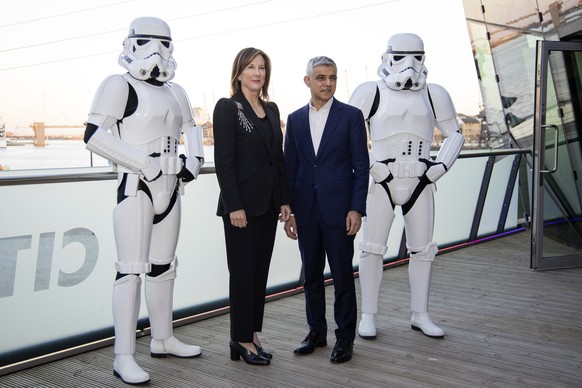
[(147, 50), (402, 66)]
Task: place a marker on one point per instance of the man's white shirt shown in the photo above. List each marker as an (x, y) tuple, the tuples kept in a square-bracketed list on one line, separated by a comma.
[(317, 120)]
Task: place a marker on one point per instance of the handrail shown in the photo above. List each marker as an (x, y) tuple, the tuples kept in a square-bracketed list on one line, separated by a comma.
[(89, 174), (501, 152)]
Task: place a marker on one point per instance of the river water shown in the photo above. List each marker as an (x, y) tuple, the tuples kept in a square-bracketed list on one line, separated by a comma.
[(58, 154)]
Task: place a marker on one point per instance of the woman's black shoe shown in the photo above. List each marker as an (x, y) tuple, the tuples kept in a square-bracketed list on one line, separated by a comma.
[(262, 352), (237, 351)]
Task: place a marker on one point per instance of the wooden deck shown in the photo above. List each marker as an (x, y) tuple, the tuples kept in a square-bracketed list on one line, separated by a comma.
[(506, 326)]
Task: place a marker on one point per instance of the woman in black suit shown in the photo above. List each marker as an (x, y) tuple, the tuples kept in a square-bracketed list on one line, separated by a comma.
[(254, 193)]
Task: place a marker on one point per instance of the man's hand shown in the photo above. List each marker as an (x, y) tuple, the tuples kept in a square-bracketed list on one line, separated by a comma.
[(353, 222), (285, 213), (291, 228)]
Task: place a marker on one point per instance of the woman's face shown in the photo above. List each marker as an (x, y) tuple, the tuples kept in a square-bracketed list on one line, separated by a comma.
[(252, 77)]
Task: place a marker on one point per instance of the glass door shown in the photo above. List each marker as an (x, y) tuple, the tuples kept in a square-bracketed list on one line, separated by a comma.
[(557, 162)]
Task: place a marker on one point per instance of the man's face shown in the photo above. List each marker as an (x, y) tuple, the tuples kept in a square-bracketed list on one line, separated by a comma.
[(322, 84)]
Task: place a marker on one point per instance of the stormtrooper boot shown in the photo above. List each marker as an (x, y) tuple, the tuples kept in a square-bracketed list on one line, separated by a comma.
[(367, 326), (371, 268), (419, 274), (126, 301), (159, 299)]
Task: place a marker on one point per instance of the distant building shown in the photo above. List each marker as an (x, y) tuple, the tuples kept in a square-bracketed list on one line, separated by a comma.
[(202, 118), (471, 128)]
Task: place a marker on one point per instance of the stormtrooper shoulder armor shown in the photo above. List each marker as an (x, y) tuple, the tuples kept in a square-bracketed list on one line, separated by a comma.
[(192, 132), (183, 101), (441, 102), (363, 97), (111, 97)]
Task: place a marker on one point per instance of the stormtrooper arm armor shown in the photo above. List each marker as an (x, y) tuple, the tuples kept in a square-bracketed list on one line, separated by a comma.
[(364, 98), (194, 158), (117, 151), (446, 123), (108, 108), (451, 148)]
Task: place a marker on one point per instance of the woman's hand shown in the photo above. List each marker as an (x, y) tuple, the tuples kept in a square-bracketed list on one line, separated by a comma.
[(238, 218)]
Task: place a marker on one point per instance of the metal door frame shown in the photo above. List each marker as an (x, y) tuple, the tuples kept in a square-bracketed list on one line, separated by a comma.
[(538, 261)]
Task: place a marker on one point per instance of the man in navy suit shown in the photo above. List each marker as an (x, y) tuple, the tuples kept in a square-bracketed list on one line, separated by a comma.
[(326, 157)]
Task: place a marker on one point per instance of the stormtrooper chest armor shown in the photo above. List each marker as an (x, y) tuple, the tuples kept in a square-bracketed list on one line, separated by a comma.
[(403, 111), (157, 119), (403, 125)]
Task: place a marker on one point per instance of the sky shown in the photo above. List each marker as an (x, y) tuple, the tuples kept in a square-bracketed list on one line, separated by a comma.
[(54, 54)]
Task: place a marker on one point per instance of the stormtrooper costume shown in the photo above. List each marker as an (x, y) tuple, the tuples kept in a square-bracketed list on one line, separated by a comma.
[(402, 110), (136, 120)]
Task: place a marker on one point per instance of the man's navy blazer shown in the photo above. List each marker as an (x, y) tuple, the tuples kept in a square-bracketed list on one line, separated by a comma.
[(338, 175)]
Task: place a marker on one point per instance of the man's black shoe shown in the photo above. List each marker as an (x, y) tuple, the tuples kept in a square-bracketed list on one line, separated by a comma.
[(342, 351), (312, 341)]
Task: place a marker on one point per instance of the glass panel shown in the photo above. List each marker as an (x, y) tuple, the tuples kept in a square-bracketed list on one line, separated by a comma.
[(494, 131), (515, 65), (42, 246), (473, 9), (516, 209), (562, 210), (495, 196), (452, 224)]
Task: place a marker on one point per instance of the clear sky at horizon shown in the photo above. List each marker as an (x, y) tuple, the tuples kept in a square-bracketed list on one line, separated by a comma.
[(54, 55)]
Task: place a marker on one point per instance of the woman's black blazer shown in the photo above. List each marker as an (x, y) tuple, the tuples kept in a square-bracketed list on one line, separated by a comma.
[(249, 162)]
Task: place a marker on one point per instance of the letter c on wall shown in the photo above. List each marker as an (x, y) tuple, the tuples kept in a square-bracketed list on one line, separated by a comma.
[(89, 241)]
